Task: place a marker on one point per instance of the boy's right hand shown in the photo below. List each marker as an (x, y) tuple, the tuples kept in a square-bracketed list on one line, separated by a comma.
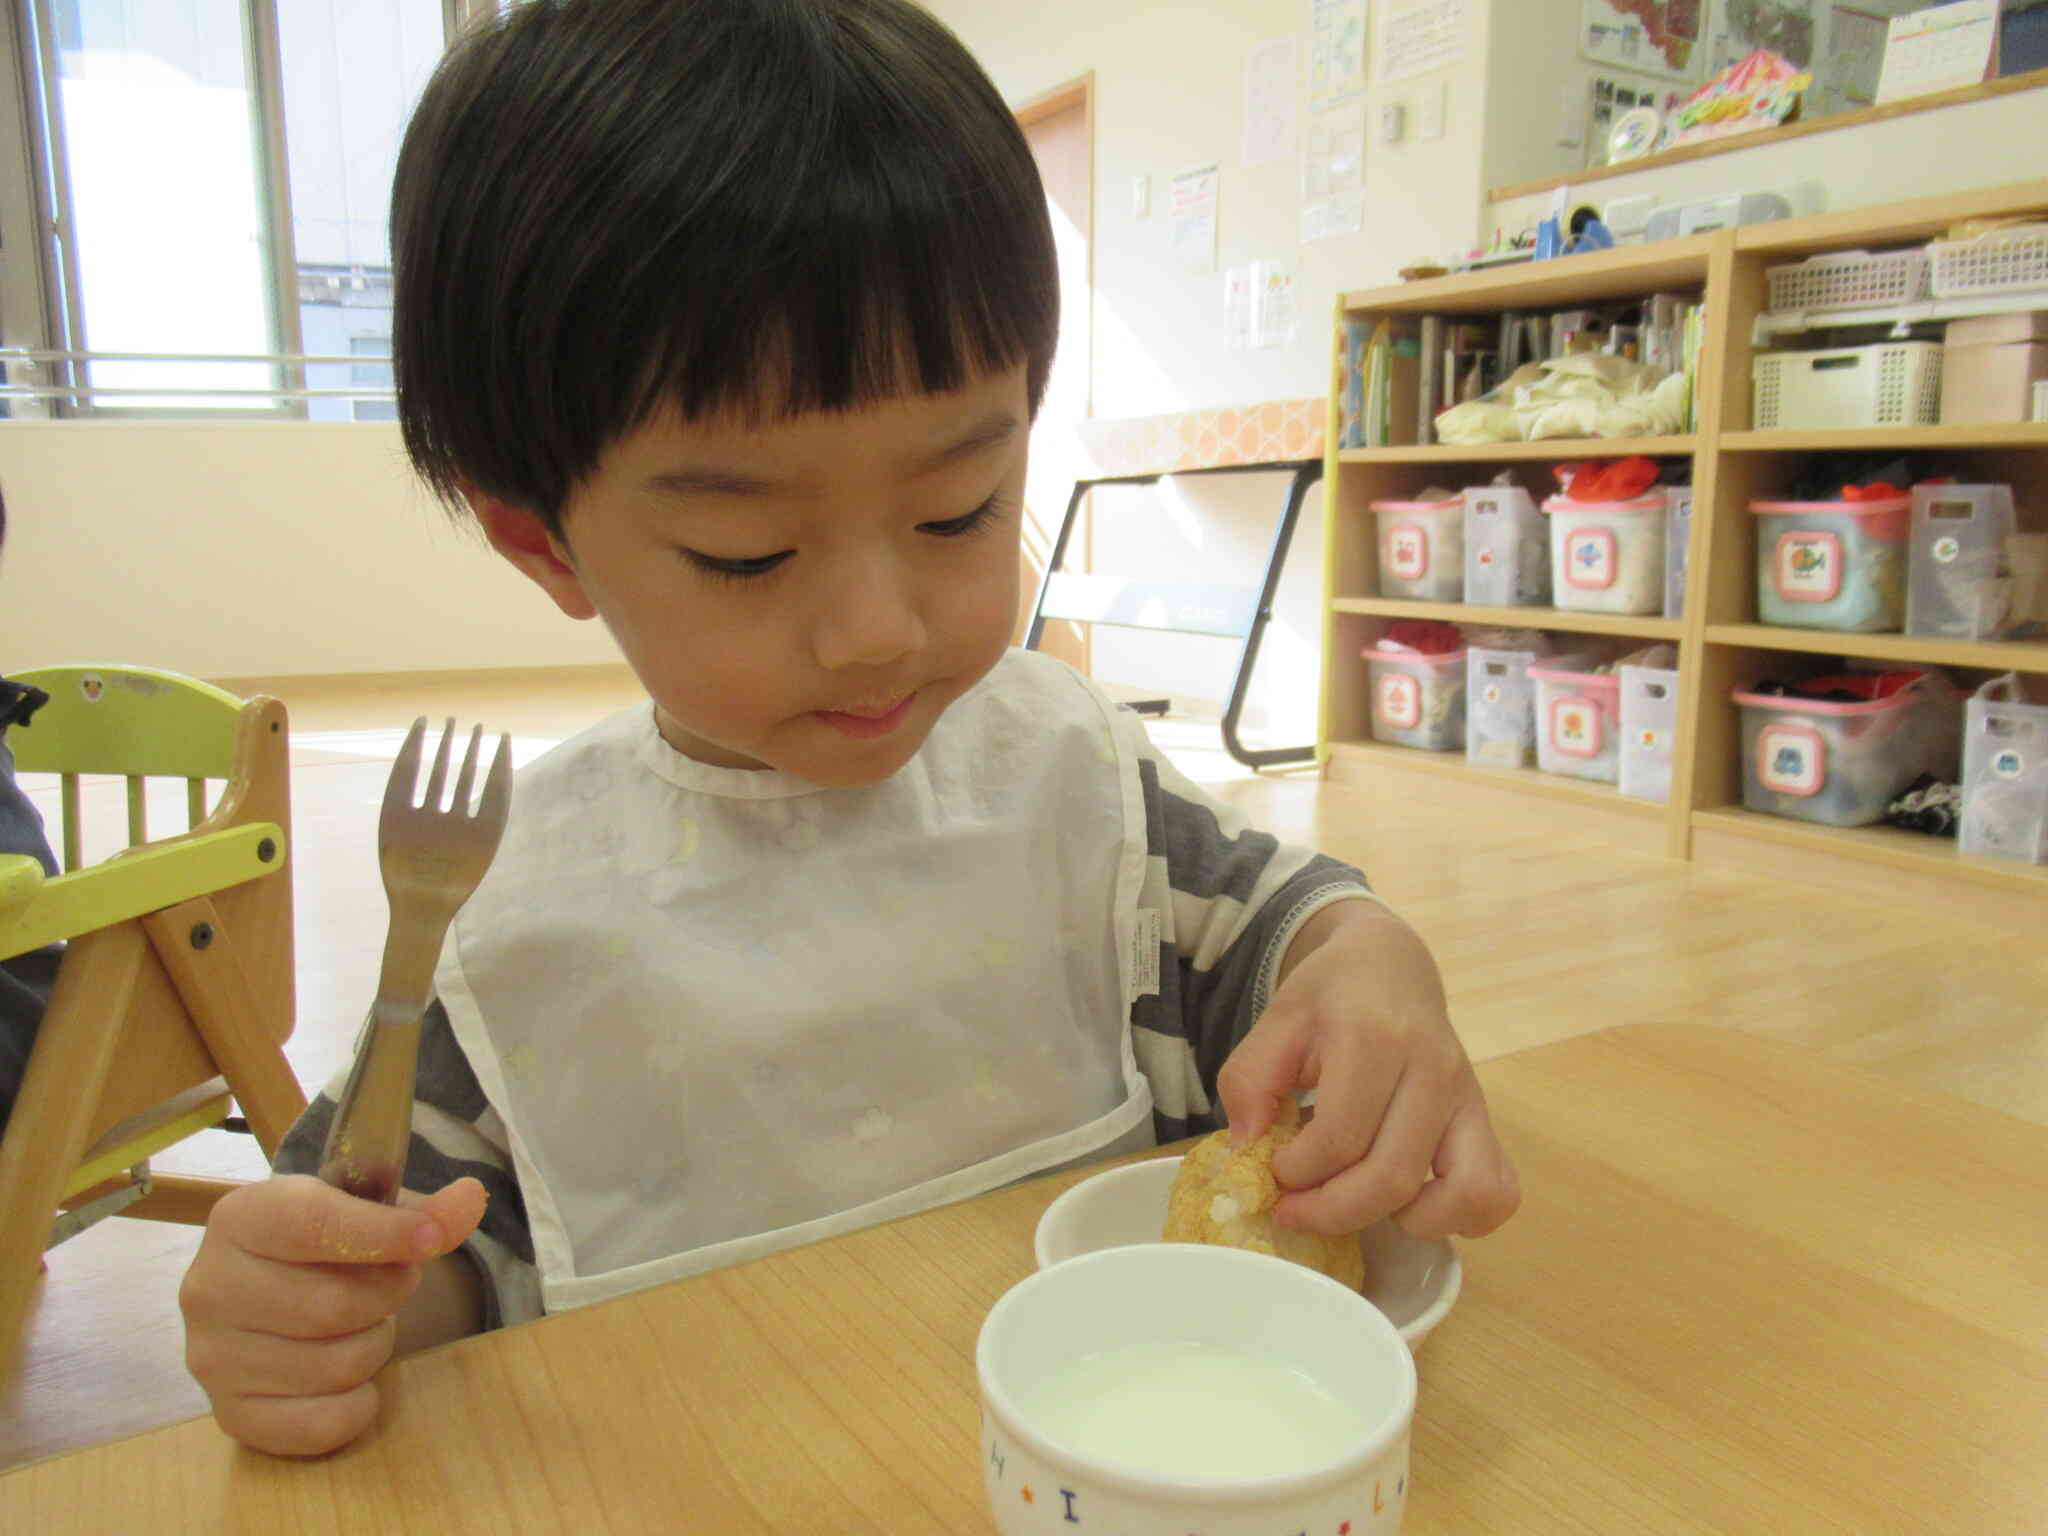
[(291, 1303)]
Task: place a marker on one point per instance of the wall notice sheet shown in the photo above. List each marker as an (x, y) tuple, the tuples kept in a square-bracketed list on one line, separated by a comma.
[(1938, 49), (1337, 51), (1418, 36), (1272, 75)]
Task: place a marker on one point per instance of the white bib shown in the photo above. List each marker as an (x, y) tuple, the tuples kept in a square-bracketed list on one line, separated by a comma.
[(724, 1012)]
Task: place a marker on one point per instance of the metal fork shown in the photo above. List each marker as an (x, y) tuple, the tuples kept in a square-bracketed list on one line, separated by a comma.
[(432, 860)]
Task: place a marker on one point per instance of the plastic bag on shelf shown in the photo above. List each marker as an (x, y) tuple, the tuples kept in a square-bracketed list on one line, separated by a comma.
[(1583, 395)]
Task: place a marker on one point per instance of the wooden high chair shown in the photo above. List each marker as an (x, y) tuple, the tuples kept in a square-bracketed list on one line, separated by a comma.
[(174, 997)]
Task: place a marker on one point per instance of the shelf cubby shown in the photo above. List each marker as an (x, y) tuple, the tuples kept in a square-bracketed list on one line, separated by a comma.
[(1721, 645)]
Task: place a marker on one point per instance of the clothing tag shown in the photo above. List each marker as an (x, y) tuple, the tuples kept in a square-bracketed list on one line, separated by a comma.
[(1144, 954)]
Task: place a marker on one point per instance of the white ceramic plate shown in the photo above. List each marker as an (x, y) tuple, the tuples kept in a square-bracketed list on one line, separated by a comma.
[(1413, 1280)]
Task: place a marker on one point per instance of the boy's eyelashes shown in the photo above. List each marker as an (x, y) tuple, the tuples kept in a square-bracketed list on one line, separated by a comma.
[(731, 568)]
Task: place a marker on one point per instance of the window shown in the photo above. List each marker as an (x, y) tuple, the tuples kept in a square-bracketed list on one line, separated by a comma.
[(208, 187)]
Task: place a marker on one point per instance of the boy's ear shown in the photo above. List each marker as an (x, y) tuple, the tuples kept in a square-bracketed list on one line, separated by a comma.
[(525, 540)]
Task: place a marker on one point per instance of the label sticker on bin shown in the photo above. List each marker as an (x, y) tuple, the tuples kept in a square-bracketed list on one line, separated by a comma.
[(1808, 566), (1401, 701), (1791, 760), (1408, 551), (1592, 559), (1575, 727)]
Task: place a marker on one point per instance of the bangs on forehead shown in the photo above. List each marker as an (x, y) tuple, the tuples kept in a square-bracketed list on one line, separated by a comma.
[(841, 329)]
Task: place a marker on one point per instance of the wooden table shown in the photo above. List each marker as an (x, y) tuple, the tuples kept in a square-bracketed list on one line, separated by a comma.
[(1748, 1291)]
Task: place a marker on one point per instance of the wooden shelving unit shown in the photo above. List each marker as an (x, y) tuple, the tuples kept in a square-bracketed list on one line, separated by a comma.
[(1721, 644)]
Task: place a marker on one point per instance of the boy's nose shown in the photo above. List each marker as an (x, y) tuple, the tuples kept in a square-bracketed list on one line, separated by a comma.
[(870, 619)]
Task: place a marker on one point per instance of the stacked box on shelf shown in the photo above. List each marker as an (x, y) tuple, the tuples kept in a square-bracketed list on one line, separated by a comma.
[(1966, 563), (1832, 564), (1607, 556), (1842, 762), (1649, 731), (1578, 723), (1500, 704), (1677, 546), (2005, 774), (1422, 549), (1507, 555), (1418, 700), (1892, 384)]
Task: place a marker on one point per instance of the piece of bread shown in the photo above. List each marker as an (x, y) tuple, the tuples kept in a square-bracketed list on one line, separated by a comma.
[(1226, 1196)]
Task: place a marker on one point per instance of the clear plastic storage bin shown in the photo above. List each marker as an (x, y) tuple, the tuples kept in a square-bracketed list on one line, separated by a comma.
[(1422, 549), (2005, 774), (1500, 705), (1578, 723), (1844, 763), (1507, 553), (1959, 577), (1677, 540), (1418, 701), (1832, 564), (1649, 731), (1607, 556)]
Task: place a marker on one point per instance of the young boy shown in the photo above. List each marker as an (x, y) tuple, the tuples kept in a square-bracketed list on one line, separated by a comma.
[(727, 319)]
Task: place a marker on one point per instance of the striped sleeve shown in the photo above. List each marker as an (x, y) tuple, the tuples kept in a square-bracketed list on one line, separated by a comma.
[(1230, 899), (455, 1134)]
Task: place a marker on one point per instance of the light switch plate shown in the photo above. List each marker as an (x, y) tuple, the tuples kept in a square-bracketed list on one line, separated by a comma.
[(1393, 121), (1141, 196)]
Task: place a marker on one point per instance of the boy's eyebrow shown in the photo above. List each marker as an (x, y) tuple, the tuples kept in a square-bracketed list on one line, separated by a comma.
[(709, 480)]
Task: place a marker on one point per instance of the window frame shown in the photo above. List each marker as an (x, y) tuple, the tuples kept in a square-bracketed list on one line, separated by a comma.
[(41, 306)]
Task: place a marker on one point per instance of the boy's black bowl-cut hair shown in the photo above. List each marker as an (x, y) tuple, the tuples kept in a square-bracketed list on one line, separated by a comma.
[(604, 208)]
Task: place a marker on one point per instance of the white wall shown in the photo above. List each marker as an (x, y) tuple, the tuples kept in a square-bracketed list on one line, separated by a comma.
[(1168, 95), (253, 549)]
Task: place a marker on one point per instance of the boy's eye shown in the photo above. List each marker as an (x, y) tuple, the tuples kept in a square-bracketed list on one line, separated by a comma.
[(979, 518), (735, 569)]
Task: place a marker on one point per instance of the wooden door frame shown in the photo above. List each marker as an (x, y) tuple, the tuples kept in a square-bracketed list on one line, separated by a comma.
[(1076, 94)]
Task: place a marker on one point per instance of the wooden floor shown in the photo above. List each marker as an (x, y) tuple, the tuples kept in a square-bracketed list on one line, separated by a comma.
[(1539, 939)]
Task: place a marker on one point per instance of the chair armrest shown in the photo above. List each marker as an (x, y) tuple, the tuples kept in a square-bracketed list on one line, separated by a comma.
[(141, 880), (20, 878)]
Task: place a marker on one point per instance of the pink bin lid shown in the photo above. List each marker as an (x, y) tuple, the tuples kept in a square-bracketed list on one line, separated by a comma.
[(1592, 682), (1414, 658), (1653, 502), (1449, 503), (1890, 507)]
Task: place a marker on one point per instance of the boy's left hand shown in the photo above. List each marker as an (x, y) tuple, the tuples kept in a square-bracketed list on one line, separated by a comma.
[(1400, 1126)]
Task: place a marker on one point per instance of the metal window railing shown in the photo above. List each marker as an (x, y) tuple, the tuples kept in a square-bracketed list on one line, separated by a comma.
[(67, 380)]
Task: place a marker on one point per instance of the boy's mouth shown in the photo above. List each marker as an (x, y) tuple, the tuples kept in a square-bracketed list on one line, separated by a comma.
[(869, 719)]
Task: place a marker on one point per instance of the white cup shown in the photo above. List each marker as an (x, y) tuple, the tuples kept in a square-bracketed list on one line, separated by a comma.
[(1044, 1476)]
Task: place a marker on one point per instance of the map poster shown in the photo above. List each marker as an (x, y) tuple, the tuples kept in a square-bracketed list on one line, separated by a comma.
[(1653, 37)]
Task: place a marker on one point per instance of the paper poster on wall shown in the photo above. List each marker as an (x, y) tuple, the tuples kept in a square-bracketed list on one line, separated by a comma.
[(1653, 37), (1334, 160), (1337, 51), (1848, 77), (1272, 85), (1194, 218), (1332, 216), (1237, 308), (1273, 311), (1784, 27), (1418, 36)]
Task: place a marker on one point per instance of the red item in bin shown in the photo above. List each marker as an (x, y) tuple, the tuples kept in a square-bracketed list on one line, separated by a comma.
[(1611, 480), (1878, 490), (1862, 685), (1424, 637)]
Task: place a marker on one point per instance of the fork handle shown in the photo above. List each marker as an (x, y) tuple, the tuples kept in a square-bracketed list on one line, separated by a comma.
[(372, 1130)]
